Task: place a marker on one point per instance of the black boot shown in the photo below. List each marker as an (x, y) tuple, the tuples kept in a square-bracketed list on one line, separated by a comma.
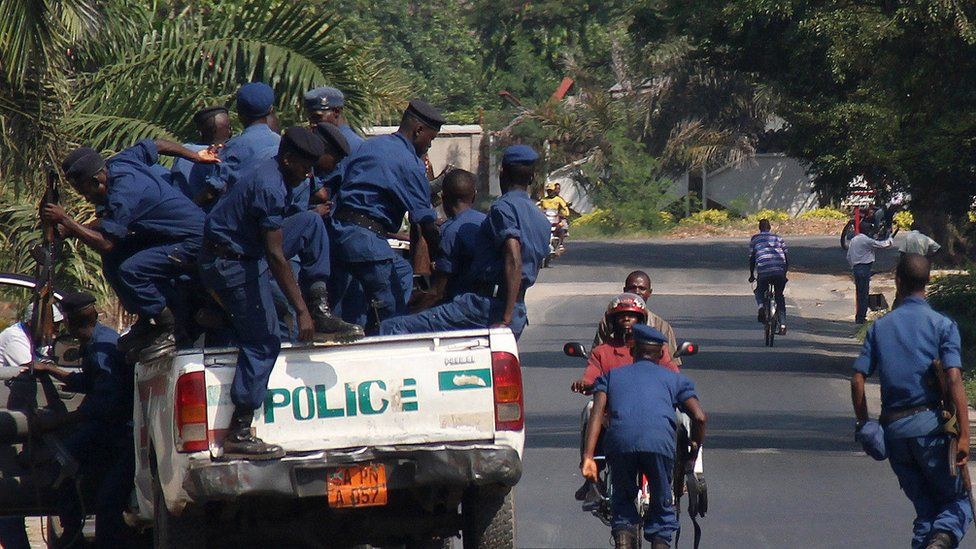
[(660, 543), (941, 540), (625, 539), (136, 335), (329, 327), (242, 444), (161, 339)]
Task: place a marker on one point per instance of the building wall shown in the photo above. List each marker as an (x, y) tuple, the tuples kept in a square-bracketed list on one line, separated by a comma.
[(457, 146), (771, 181)]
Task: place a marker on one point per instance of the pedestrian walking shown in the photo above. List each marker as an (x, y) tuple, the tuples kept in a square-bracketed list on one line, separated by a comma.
[(860, 255), (901, 347)]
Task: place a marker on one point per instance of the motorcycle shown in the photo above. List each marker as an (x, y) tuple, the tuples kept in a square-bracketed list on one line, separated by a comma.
[(557, 235), (684, 481), (859, 215)]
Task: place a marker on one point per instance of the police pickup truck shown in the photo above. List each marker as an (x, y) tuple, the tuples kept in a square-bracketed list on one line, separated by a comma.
[(405, 440)]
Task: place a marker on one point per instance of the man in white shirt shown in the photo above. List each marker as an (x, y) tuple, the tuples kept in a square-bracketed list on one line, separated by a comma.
[(918, 243), (860, 255), (16, 351)]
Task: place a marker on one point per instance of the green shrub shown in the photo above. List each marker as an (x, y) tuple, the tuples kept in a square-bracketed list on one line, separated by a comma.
[(602, 221), (824, 213), (772, 215), (707, 217), (955, 296)]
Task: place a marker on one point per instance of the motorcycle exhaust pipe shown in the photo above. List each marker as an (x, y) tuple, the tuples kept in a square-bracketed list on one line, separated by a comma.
[(13, 427)]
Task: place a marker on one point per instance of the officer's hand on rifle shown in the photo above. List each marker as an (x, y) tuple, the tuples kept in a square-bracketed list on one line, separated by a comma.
[(53, 213)]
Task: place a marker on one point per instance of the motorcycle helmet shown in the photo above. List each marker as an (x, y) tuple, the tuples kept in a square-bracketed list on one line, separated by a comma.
[(626, 303), (551, 186)]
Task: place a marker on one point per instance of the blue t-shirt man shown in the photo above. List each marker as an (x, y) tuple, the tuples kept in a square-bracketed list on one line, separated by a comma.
[(384, 180), (483, 300), (640, 400), (458, 248), (901, 347)]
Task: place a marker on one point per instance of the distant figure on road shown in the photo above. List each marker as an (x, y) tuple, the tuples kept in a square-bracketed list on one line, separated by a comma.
[(918, 243), (860, 255), (901, 347), (639, 282), (768, 259)]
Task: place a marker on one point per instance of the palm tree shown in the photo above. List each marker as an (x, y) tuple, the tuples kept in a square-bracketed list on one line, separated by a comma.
[(106, 73)]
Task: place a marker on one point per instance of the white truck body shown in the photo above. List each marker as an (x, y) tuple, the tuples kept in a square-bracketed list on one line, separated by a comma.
[(430, 400)]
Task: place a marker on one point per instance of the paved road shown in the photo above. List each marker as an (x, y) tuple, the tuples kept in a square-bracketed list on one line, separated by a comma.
[(781, 465)]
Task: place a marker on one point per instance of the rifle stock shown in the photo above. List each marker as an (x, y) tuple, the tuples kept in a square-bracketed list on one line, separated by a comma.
[(42, 322)]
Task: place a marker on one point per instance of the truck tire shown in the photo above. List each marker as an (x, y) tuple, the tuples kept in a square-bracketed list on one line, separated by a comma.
[(488, 517), (175, 532)]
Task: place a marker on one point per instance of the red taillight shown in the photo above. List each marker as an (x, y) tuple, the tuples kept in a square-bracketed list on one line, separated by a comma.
[(191, 412), (507, 380)]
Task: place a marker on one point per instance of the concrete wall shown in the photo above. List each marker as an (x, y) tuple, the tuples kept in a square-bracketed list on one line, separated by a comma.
[(458, 146), (772, 181)]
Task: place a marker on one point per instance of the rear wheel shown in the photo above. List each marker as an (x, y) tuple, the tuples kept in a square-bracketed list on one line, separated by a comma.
[(488, 515), (770, 326), (176, 532), (847, 234)]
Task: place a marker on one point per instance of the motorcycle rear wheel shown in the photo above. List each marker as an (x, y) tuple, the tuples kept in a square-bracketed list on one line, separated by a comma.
[(847, 234)]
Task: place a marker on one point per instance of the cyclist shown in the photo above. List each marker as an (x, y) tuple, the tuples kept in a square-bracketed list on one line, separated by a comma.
[(624, 311), (768, 259)]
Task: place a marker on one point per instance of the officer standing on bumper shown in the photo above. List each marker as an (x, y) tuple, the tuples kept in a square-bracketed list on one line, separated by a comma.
[(640, 438), (244, 239), (146, 222), (100, 438), (385, 179), (900, 347), (255, 106), (512, 242)]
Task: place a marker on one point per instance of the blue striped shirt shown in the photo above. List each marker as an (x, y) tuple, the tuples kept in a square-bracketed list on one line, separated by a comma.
[(769, 250)]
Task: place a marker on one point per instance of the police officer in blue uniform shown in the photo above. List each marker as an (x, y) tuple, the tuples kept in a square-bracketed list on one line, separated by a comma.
[(244, 238), (147, 228), (325, 104), (459, 236), (255, 105), (640, 439), (512, 242), (901, 347), (100, 435), (384, 179), (213, 129)]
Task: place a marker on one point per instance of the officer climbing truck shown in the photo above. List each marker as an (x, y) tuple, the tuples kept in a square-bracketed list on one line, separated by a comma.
[(407, 439)]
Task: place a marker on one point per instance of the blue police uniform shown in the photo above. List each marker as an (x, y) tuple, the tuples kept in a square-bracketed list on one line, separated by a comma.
[(333, 179), (240, 278), (513, 215), (640, 438), (149, 221), (240, 154), (102, 443), (384, 179), (190, 177), (900, 347), (458, 247)]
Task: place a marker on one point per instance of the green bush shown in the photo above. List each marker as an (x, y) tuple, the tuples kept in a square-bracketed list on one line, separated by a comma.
[(955, 296), (707, 217), (824, 213), (771, 215)]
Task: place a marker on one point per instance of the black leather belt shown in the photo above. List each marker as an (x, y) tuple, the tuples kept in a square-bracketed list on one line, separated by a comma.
[(362, 220), (489, 289), (224, 252), (894, 414)]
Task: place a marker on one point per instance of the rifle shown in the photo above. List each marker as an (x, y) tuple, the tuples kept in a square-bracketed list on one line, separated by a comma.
[(45, 255), (951, 426)]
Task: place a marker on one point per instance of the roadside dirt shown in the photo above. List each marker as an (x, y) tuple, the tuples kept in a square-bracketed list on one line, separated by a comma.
[(791, 227)]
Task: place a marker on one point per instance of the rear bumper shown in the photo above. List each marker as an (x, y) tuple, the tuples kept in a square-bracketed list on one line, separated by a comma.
[(305, 476)]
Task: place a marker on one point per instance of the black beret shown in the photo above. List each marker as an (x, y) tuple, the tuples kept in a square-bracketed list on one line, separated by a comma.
[(426, 113), (301, 140), (82, 163), (75, 302), (332, 135), (205, 114)]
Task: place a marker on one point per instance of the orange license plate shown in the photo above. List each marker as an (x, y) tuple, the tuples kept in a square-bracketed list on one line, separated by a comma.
[(358, 486)]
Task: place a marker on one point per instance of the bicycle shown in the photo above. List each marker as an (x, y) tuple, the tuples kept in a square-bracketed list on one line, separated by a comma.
[(770, 314)]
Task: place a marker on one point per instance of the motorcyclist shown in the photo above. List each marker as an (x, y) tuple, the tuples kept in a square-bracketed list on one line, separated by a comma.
[(552, 201), (623, 312)]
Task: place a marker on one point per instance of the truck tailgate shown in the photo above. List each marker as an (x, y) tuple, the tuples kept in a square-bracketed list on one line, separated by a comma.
[(380, 391)]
